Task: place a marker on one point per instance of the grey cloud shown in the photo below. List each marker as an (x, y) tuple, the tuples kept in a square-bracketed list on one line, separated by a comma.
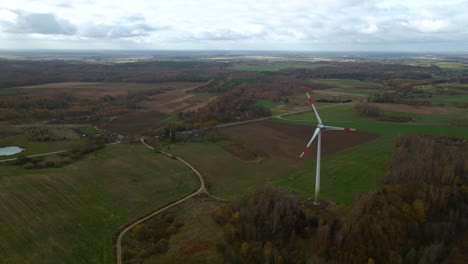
[(221, 35), (225, 34), (119, 31), (65, 5), (135, 18), (41, 23)]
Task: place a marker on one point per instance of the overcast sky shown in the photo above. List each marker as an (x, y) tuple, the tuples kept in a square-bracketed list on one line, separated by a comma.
[(315, 25)]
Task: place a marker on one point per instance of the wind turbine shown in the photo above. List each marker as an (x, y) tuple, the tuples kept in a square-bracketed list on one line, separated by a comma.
[(318, 134)]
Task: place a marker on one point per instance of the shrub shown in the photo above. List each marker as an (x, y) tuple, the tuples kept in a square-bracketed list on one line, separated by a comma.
[(162, 245), (399, 119), (49, 164), (169, 218), (366, 109), (28, 166), (171, 230)]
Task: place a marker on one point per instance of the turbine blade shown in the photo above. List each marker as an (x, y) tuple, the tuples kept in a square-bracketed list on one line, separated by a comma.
[(312, 104), (317, 131), (340, 128)]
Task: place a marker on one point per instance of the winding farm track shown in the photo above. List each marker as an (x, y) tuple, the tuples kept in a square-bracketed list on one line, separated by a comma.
[(51, 153), (36, 155), (280, 116), (202, 189)]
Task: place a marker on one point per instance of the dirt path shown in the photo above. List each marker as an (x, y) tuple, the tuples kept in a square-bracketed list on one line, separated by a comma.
[(280, 116), (200, 190), (36, 155)]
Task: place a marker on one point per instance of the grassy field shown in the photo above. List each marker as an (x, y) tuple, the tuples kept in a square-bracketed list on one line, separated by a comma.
[(354, 170), (89, 130), (438, 97), (358, 169), (228, 176), (453, 66), (348, 83), (265, 104), (69, 214), (35, 147), (107, 85), (9, 91), (351, 86), (274, 66)]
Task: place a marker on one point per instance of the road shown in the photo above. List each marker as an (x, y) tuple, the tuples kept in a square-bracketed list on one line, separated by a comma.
[(37, 155), (52, 153), (280, 116), (202, 189)]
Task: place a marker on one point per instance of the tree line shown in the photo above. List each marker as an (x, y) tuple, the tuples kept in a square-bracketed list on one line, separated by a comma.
[(417, 216)]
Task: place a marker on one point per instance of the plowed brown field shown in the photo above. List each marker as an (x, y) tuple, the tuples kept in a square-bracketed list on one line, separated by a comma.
[(135, 122), (288, 140)]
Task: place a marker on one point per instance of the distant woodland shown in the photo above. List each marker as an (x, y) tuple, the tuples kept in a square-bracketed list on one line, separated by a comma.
[(237, 90), (419, 216), (25, 72), (61, 105)]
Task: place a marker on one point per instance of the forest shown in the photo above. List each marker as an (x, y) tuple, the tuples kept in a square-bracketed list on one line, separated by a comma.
[(29, 72), (237, 90), (418, 215), (417, 212), (62, 105)]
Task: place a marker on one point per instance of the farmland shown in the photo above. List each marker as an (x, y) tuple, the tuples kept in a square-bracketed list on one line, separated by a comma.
[(347, 166), (273, 66), (350, 86), (35, 147), (177, 105), (70, 214)]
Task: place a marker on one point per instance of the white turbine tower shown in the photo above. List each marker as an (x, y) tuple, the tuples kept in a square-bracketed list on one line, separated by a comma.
[(318, 134)]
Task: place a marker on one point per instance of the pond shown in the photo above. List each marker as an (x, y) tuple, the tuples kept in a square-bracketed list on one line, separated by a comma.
[(10, 150)]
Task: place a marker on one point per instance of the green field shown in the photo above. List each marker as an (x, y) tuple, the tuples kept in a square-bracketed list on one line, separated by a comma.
[(69, 214), (89, 130), (274, 66), (228, 176), (450, 94), (453, 66), (350, 86), (358, 169), (352, 91), (265, 104), (94, 85), (9, 91), (35, 147), (348, 83)]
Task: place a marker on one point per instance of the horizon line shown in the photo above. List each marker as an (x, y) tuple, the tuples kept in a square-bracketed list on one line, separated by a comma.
[(232, 50)]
